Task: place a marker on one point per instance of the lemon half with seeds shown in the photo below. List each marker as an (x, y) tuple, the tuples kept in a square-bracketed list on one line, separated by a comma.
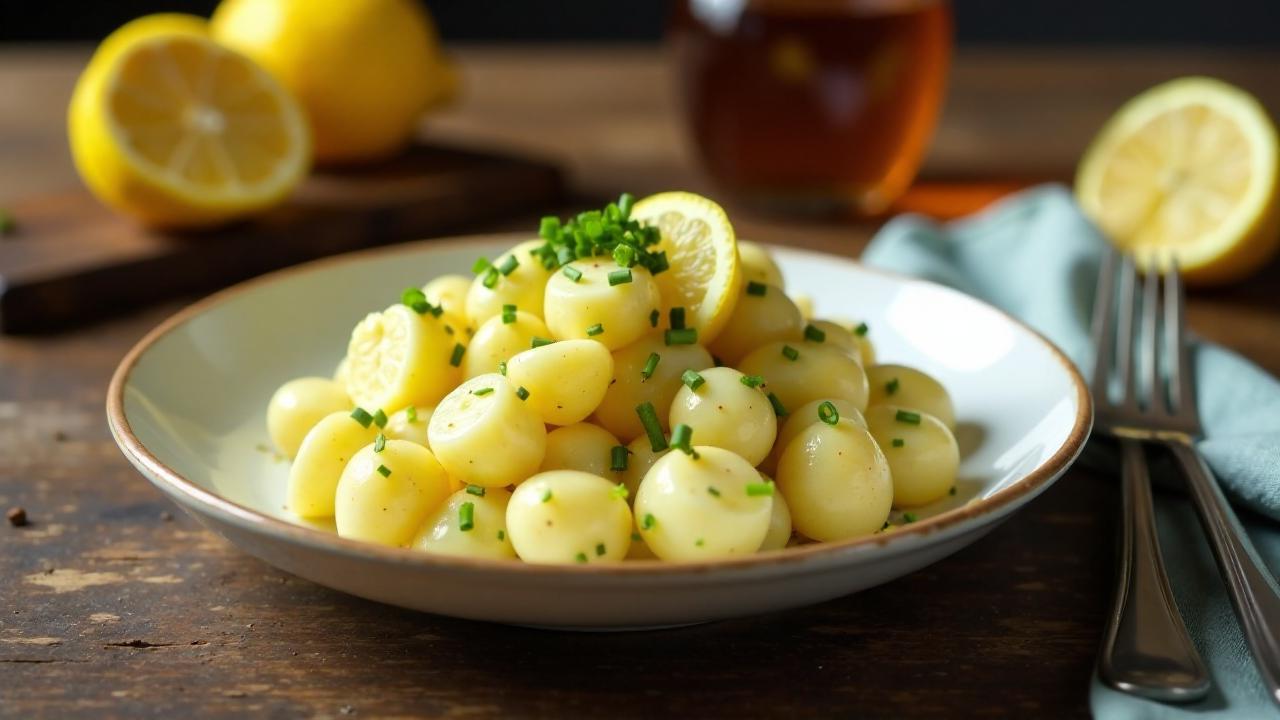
[(705, 275), (1188, 170), (172, 129)]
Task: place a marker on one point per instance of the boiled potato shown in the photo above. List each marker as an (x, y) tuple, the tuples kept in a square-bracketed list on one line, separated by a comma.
[(325, 451), (496, 341), (484, 434), (385, 495), (836, 481), (298, 405), (614, 315), (817, 372), (758, 265), (779, 525), (581, 446), (801, 418), (410, 425), (713, 506), (757, 320), (450, 293), (640, 457), (726, 413), (910, 388), (399, 357), (566, 380), (629, 388), (523, 287), (568, 516), (922, 453), (480, 531)]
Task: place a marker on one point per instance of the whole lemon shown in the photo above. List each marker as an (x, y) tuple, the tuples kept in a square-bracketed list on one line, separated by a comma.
[(363, 70)]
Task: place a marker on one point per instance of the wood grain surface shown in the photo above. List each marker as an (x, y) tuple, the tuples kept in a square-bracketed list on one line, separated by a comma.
[(115, 604)]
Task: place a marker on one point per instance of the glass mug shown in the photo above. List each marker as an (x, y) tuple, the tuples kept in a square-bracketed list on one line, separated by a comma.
[(814, 106)]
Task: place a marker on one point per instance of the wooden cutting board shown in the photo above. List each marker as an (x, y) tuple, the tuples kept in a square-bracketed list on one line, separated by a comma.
[(69, 260)]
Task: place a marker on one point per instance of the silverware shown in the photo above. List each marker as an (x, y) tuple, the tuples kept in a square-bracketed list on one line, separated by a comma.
[(1253, 591), (1146, 650)]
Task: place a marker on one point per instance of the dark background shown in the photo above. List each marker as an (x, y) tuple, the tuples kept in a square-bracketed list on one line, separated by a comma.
[(1024, 22)]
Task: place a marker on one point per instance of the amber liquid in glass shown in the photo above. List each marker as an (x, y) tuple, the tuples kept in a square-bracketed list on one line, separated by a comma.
[(812, 105)]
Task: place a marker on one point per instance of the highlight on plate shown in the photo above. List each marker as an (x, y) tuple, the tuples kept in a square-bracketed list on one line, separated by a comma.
[(634, 383)]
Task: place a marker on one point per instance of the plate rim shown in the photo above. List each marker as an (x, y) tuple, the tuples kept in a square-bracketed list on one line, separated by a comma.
[(174, 484)]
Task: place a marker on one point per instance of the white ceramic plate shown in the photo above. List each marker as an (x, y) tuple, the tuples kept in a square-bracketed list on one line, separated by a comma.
[(187, 407)]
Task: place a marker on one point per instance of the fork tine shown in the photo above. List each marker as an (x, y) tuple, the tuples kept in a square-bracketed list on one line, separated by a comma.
[(1151, 389), (1124, 350), (1103, 331), (1182, 389)]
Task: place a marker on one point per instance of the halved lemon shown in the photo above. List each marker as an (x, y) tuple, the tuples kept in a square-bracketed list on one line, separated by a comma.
[(1187, 170), (177, 131), (705, 275)]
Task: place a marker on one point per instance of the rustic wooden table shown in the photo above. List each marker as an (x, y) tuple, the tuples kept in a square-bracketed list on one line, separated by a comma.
[(114, 603)]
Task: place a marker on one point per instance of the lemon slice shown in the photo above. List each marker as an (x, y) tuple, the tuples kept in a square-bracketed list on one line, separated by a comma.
[(398, 358), (705, 274), (1187, 169), (175, 130)]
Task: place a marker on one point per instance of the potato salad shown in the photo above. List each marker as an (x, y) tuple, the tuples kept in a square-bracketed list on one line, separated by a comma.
[(632, 384)]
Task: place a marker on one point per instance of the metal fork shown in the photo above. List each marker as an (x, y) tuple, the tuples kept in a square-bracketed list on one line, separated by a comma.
[(1146, 650)]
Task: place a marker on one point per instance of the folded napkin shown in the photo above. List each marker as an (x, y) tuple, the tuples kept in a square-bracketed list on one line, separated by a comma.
[(1036, 256)]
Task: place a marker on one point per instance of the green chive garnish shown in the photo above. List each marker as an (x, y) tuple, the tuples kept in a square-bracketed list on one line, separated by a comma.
[(778, 408), (481, 392), (508, 314), (624, 255), (618, 458), (361, 416), (502, 367), (502, 535), (540, 341), (477, 490), (466, 516), (620, 491), (599, 549), (522, 393), (650, 365), (580, 557), (458, 351), (379, 443), (480, 265), (828, 413), (692, 379), (891, 387), (635, 537), (549, 227), (908, 417), (861, 330), (384, 471), (682, 336), (411, 414), (790, 353), (625, 201), (620, 277), (714, 492), (752, 381), (509, 265), (652, 428), (416, 299), (760, 488), (653, 318), (682, 440), (699, 542), (595, 330), (899, 442), (909, 517), (380, 418), (814, 334), (952, 491), (756, 288), (546, 495), (572, 273), (677, 318), (490, 278), (648, 521)]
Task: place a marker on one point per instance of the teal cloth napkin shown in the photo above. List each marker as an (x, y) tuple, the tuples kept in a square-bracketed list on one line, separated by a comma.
[(1036, 256)]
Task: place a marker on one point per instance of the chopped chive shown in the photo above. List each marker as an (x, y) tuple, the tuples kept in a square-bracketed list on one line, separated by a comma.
[(620, 277), (546, 495), (572, 273), (681, 336), (814, 334), (540, 341), (760, 489), (790, 353), (509, 265), (677, 318), (752, 381), (650, 365), (448, 329), (828, 413), (652, 428), (595, 330), (648, 521), (698, 542), (624, 255), (692, 379), (625, 201), (549, 227), (580, 557), (380, 418), (952, 491), (860, 330), (714, 492), (508, 314), (682, 440), (600, 549), (502, 367), (411, 414), (891, 387), (384, 471), (467, 516), (522, 393), (653, 318), (909, 517), (618, 458), (481, 392), (480, 265), (635, 537), (458, 351), (477, 490), (362, 416), (778, 408), (502, 535), (416, 299), (619, 491), (899, 442), (660, 264), (490, 278), (566, 255), (757, 288), (379, 443), (908, 417)]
